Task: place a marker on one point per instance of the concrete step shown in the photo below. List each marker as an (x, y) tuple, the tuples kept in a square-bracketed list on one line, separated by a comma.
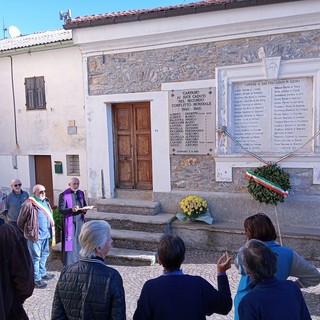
[(155, 223), (129, 257), (146, 195), (138, 240), (119, 256), (132, 206), (229, 236)]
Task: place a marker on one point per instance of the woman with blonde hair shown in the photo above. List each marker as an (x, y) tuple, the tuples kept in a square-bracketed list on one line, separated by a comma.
[(89, 289)]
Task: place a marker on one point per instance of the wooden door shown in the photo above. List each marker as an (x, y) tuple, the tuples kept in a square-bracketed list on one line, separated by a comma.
[(43, 172), (132, 143)]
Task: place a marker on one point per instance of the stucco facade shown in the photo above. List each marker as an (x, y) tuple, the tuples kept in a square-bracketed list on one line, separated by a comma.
[(27, 134)]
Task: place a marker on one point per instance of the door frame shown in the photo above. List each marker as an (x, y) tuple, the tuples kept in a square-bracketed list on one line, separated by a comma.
[(135, 158)]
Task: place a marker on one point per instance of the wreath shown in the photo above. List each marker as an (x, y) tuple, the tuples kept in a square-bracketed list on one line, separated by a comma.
[(268, 184)]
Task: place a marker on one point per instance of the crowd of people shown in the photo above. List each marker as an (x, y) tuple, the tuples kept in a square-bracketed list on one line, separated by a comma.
[(89, 289)]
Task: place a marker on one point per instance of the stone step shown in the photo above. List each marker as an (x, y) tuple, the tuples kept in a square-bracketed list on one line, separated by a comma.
[(132, 206), (138, 240), (119, 256), (155, 223), (146, 195), (130, 257), (229, 236)]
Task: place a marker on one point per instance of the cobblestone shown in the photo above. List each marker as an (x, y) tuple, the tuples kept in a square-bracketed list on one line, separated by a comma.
[(200, 263)]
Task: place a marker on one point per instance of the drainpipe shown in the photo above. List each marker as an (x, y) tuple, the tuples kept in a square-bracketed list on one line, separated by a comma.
[(14, 103)]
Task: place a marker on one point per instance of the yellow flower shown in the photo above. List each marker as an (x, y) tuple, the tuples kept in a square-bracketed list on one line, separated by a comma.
[(193, 206)]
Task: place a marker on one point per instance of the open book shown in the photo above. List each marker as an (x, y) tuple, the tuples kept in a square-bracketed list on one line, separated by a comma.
[(87, 208)]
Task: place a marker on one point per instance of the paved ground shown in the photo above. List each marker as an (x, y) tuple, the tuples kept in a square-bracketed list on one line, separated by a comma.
[(198, 263)]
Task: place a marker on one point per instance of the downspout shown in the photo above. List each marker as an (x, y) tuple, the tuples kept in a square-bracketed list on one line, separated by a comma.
[(14, 103)]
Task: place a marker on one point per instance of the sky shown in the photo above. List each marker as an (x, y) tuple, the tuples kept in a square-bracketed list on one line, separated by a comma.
[(30, 16)]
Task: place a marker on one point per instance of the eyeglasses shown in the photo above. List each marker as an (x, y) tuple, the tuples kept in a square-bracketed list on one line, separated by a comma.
[(42, 191), (17, 185)]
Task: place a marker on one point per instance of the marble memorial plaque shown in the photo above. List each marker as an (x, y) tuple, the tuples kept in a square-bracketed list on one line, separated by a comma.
[(273, 115), (191, 121)]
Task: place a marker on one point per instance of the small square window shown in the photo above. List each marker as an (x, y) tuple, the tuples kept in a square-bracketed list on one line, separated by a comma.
[(73, 165), (35, 93)]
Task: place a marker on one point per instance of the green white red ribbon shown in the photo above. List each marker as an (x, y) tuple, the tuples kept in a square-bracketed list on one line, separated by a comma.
[(267, 183), (48, 212)]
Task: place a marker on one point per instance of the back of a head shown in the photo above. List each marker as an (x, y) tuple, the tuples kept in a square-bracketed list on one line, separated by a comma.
[(259, 260), (260, 227), (171, 252), (94, 234)]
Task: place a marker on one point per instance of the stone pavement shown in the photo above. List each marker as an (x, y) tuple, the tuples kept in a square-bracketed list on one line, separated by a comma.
[(200, 263)]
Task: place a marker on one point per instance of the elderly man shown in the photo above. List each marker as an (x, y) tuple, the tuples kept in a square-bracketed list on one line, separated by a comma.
[(13, 201), (71, 202), (36, 221)]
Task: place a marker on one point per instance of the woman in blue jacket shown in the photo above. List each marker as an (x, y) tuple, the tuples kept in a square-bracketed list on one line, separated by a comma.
[(289, 263)]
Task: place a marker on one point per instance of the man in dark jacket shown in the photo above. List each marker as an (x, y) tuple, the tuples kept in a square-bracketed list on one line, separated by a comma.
[(16, 273), (71, 202)]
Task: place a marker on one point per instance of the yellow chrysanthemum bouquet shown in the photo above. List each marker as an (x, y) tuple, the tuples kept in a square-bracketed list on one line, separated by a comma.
[(194, 208)]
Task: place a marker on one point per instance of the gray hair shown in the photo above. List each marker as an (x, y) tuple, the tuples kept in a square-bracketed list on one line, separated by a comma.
[(37, 187), (259, 260), (93, 234)]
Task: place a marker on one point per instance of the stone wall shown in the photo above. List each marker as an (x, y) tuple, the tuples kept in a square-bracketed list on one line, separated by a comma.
[(146, 70), (198, 173)]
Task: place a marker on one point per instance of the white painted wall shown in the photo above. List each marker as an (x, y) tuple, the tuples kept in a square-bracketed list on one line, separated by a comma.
[(100, 148), (42, 132), (204, 27)]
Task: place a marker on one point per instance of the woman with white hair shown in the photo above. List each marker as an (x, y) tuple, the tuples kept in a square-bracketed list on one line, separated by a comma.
[(269, 298), (89, 289)]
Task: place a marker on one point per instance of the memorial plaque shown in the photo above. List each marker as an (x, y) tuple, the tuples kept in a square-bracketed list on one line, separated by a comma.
[(191, 121), (273, 115)]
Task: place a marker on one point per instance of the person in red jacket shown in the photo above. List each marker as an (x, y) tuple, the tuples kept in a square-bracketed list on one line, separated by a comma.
[(16, 273)]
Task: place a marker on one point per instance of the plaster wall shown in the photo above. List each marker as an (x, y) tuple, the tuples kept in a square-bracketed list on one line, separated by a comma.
[(42, 132)]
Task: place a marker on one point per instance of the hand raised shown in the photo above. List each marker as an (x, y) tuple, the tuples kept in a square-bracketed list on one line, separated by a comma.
[(224, 263)]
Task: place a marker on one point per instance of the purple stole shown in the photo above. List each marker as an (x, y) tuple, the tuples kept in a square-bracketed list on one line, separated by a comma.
[(68, 218)]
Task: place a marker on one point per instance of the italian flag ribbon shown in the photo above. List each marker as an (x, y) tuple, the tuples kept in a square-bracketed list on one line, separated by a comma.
[(48, 212), (267, 183)]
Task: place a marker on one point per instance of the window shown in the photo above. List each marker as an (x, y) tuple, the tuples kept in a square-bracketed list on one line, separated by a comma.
[(73, 165), (35, 93)]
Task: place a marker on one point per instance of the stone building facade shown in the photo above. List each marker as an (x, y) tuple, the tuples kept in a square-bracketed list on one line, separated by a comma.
[(144, 55)]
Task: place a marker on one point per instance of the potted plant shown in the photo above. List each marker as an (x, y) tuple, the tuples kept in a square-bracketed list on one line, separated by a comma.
[(57, 217), (194, 208)]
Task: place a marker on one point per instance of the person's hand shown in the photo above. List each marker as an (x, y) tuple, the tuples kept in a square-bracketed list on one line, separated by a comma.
[(75, 208), (224, 263)]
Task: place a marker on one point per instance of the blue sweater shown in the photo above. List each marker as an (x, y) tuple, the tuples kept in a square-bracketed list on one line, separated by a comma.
[(182, 297), (274, 299), (284, 255)]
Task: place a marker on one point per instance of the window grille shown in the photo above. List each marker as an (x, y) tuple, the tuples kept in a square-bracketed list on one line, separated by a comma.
[(73, 165)]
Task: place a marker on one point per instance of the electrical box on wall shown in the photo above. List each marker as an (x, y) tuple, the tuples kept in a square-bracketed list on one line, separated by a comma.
[(58, 167)]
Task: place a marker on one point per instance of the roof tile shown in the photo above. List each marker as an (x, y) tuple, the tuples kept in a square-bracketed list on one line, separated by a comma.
[(34, 39)]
